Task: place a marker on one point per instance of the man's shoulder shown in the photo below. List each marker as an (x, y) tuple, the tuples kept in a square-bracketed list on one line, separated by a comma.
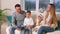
[(25, 18), (23, 11), (14, 13)]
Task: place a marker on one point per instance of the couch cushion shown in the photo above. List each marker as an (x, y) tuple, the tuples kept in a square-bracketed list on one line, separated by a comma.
[(58, 28), (9, 19)]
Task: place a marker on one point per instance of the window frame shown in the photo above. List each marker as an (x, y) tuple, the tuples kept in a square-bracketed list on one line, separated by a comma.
[(22, 2)]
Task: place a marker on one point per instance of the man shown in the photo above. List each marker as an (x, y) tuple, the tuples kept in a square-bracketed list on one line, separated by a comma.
[(18, 19)]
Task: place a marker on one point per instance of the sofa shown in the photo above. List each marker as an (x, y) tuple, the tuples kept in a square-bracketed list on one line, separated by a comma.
[(34, 16)]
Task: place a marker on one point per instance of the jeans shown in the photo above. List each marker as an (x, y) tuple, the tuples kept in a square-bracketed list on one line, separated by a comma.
[(44, 30), (12, 29), (28, 31)]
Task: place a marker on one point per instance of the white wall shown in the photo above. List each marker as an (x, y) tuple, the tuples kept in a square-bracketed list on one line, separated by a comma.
[(9, 4)]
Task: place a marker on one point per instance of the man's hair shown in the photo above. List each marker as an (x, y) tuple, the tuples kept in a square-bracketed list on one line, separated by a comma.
[(17, 5), (28, 11)]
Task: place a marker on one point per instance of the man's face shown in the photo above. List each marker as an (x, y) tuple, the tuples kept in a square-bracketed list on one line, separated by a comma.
[(18, 9)]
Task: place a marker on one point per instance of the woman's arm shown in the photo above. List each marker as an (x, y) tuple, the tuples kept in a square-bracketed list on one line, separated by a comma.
[(55, 22), (45, 16)]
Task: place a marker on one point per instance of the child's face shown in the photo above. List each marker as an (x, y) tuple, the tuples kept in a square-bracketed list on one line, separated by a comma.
[(28, 15), (39, 18)]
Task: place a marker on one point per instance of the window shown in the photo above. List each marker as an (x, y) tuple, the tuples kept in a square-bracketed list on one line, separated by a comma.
[(30, 4), (57, 5), (43, 3)]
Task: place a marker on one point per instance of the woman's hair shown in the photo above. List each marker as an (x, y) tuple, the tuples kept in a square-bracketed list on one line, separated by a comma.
[(52, 9), (53, 14)]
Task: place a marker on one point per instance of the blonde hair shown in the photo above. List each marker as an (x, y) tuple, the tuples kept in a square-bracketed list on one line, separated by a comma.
[(52, 9), (53, 14)]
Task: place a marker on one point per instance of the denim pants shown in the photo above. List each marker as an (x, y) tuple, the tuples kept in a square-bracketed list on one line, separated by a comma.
[(12, 29), (44, 30), (28, 31)]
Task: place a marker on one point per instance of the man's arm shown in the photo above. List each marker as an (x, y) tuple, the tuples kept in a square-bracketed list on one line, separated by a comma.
[(14, 20)]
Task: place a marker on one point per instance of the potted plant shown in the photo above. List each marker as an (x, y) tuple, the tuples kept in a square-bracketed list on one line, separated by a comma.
[(2, 17)]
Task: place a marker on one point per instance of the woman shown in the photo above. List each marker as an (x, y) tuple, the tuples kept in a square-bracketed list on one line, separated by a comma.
[(49, 19)]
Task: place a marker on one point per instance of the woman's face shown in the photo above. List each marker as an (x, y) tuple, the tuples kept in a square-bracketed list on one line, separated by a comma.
[(48, 8)]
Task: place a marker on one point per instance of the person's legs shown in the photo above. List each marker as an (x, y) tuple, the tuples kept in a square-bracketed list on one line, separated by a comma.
[(26, 31), (22, 29), (30, 30), (22, 32), (44, 29), (11, 30)]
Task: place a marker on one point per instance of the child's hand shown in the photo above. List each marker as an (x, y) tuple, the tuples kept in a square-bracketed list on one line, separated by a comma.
[(27, 26)]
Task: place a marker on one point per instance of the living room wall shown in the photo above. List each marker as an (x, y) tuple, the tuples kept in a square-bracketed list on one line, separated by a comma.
[(10, 5)]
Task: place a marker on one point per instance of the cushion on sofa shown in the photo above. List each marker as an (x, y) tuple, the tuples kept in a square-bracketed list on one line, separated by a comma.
[(58, 28)]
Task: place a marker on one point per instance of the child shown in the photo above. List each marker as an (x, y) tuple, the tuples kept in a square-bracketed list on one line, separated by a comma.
[(28, 23), (38, 22), (39, 19)]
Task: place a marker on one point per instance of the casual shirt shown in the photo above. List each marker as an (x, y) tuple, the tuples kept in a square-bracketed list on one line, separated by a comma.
[(18, 18), (28, 21)]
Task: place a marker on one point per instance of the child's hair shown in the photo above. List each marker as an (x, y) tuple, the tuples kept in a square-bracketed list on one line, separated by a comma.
[(28, 11)]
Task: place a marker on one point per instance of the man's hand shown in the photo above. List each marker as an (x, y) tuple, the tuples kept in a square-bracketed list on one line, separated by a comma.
[(17, 27)]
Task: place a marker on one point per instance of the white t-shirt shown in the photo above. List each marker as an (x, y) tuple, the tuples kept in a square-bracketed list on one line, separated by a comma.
[(28, 21)]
